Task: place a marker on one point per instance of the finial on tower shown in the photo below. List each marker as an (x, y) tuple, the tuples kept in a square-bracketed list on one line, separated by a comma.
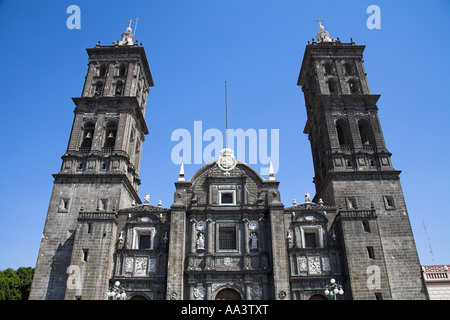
[(271, 172), (323, 35), (127, 36), (181, 174)]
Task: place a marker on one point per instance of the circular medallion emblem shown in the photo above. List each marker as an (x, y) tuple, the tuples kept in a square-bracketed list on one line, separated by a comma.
[(253, 225), (201, 225), (226, 161)]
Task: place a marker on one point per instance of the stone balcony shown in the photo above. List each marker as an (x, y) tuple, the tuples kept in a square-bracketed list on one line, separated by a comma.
[(436, 273)]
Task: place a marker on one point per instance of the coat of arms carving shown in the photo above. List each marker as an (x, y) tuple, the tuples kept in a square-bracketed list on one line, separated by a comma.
[(226, 161)]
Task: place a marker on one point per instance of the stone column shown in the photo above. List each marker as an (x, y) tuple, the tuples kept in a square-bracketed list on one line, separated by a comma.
[(279, 254), (175, 268), (248, 286), (193, 235), (246, 236)]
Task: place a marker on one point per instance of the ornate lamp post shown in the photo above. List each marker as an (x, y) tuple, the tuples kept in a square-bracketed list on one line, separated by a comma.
[(333, 289), (117, 292)]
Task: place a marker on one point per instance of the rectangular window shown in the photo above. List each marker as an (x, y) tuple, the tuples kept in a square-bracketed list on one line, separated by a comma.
[(389, 202), (378, 296), (351, 203), (366, 225), (102, 204), (63, 205), (310, 240), (85, 255), (226, 198), (143, 238), (370, 252), (144, 241), (227, 238)]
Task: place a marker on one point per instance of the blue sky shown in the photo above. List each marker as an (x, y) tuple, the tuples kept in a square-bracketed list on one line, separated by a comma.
[(192, 48)]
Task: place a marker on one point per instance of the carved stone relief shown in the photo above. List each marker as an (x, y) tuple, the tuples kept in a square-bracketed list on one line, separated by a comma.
[(199, 292)]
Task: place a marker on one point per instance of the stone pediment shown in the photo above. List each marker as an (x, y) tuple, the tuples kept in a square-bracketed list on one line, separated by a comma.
[(240, 171), (310, 207), (145, 214), (143, 208), (310, 212)]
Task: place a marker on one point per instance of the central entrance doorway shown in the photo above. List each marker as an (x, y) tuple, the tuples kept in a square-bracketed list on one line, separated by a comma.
[(228, 294)]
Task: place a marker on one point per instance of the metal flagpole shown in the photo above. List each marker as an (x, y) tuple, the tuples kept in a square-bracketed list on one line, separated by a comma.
[(135, 26), (226, 116)]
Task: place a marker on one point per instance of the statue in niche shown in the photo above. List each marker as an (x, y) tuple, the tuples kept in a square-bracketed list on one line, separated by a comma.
[(254, 243), (201, 241)]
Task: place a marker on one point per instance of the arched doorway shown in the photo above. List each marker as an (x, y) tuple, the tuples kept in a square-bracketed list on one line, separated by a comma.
[(228, 294), (317, 297), (138, 298)]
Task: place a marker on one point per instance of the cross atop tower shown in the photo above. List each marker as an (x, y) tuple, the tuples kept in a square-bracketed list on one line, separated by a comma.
[(130, 22), (127, 36), (319, 20)]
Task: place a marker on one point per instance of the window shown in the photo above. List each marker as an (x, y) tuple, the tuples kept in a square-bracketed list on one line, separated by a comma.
[(351, 203), (389, 202), (111, 131), (353, 85), (365, 132), (119, 88), (343, 134), (98, 88), (102, 71), (366, 226), (144, 241), (88, 134), (63, 205), (348, 68), (80, 165), (311, 236), (227, 238), (378, 296), (102, 204), (310, 240), (328, 68), (227, 197), (143, 238), (105, 165), (332, 87), (122, 70), (85, 255), (370, 252)]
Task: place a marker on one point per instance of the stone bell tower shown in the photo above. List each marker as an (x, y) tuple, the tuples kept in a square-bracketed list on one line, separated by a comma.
[(354, 172), (99, 174)]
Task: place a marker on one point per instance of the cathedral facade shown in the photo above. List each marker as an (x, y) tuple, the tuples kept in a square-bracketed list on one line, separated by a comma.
[(227, 234)]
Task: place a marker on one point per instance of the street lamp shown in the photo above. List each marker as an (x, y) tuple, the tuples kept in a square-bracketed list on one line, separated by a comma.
[(333, 289), (117, 292)]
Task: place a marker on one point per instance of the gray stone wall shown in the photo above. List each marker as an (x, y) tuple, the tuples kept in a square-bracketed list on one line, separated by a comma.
[(396, 242)]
